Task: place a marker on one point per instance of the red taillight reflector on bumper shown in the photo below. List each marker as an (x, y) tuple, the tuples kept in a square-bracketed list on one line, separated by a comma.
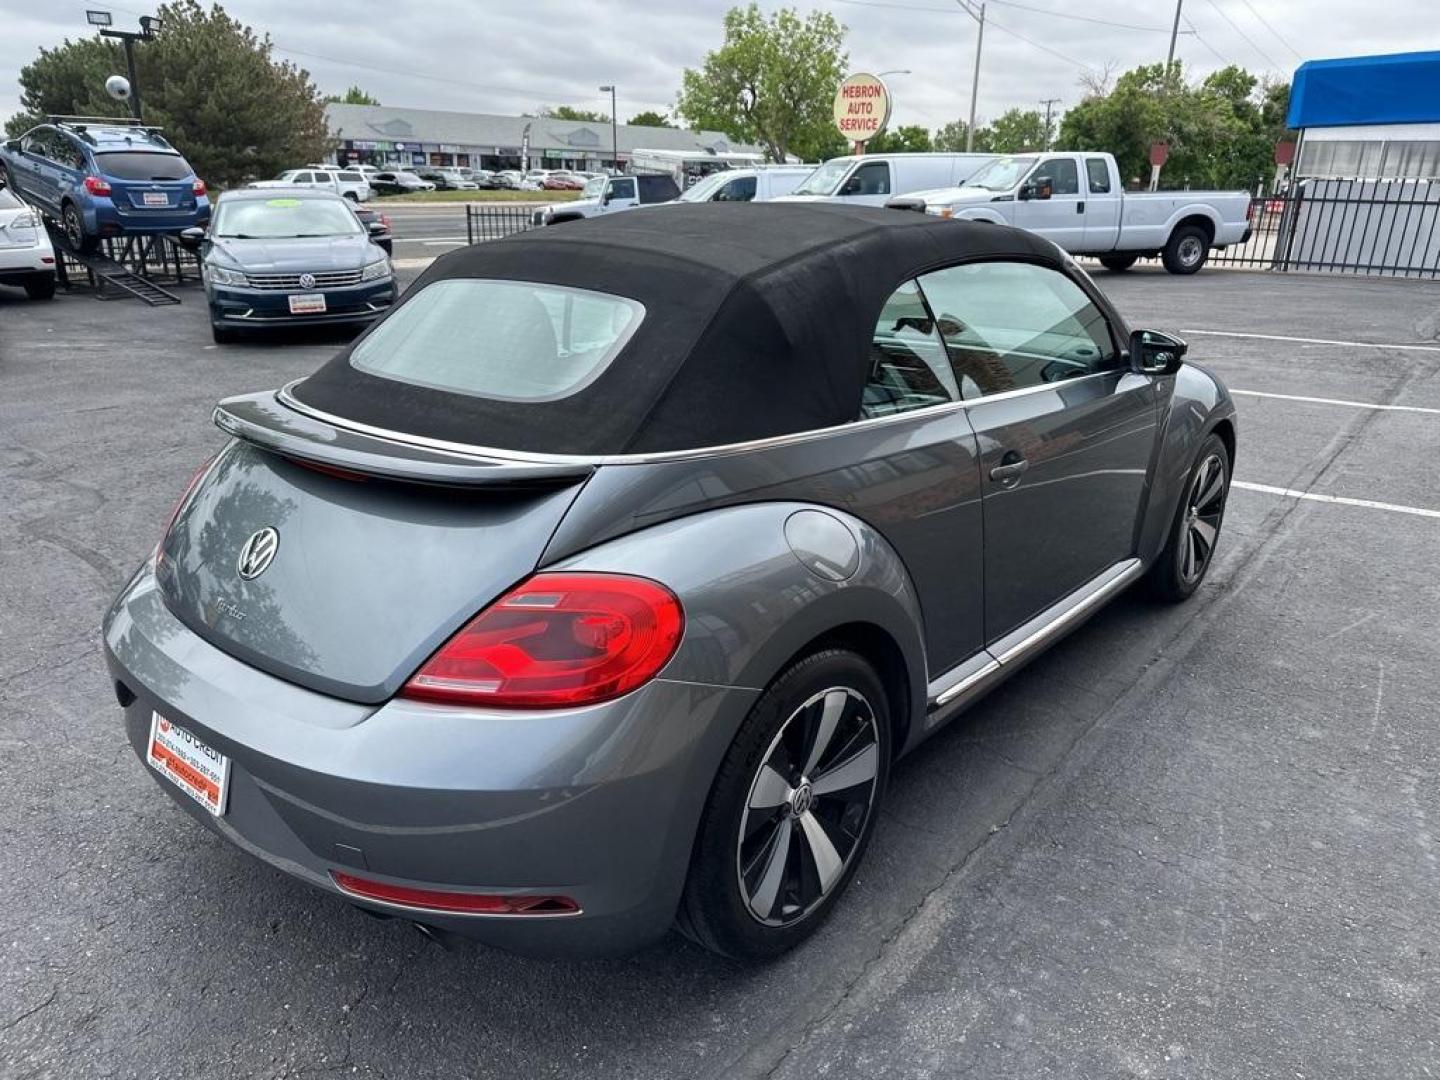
[(456, 903), (556, 640), (97, 186)]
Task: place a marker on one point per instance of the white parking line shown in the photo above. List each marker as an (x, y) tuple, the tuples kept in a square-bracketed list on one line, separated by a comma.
[(1312, 496), (1317, 341), (1339, 401)]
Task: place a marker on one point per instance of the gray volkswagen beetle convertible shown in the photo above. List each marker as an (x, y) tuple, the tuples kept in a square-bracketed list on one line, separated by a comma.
[(598, 587)]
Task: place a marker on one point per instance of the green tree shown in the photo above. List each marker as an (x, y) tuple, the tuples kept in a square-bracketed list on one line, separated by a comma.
[(1221, 131), (910, 139), (214, 86), (650, 118), (951, 138), (353, 96), (772, 82), (567, 112), (1015, 132)]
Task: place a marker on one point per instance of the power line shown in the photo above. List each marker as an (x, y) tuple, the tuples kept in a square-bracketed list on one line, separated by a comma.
[(1234, 26), (1266, 23), (1213, 51), (1009, 4)]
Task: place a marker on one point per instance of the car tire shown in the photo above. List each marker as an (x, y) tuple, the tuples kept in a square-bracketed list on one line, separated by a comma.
[(1118, 263), (775, 851), (1195, 529), (1187, 250), (73, 226), (40, 286), (224, 335), (352, 196)]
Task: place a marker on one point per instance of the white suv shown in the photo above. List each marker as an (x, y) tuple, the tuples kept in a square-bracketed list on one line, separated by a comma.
[(26, 257)]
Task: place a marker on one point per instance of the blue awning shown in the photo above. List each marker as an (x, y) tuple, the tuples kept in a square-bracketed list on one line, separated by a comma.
[(1403, 88)]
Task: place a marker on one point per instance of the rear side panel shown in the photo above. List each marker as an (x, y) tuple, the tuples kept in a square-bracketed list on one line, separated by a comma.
[(369, 575)]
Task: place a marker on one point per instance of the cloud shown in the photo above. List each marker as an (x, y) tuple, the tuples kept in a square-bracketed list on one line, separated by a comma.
[(511, 56)]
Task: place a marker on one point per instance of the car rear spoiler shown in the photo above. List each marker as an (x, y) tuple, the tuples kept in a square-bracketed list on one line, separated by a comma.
[(265, 421)]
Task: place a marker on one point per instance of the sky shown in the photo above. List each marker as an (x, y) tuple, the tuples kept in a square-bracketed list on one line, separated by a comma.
[(513, 56)]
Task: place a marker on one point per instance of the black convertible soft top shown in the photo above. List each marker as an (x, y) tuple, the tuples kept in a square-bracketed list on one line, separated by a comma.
[(758, 323)]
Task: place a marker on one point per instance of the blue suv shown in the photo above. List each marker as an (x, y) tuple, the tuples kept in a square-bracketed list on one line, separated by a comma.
[(101, 178)]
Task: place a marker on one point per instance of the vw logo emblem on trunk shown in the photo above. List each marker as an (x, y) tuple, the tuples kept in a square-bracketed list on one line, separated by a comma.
[(258, 553), (307, 281)]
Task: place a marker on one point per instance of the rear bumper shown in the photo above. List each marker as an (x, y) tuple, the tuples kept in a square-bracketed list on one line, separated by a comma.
[(17, 264), (106, 217), (597, 804)]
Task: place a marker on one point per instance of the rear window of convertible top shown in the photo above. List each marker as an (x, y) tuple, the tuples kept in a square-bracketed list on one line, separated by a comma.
[(506, 340)]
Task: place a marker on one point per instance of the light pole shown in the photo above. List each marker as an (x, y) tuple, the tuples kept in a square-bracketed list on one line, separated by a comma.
[(1174, 33), (976, 12), (149, 26), (614, 129), (1049, 104)]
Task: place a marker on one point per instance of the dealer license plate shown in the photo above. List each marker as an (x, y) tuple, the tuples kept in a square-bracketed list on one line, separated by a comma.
[(196, 769), (307, 304), (156, 198)]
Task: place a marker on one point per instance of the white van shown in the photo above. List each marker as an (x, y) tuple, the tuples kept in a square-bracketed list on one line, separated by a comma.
[(872, 179), (747, 185)]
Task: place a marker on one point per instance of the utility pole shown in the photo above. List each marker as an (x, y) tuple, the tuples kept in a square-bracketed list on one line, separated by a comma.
[(1049, 104), (614, 130), (1174, 33), (976, 12)]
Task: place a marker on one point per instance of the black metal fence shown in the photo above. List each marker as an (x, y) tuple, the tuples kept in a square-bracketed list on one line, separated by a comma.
[(1388, 228), (493, 222)]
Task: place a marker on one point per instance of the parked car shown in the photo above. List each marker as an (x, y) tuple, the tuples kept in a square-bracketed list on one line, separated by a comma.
[(447, 179), (281, 259), (508, 179), (1078, 201), (399, 182), (534, 180), (600, 585), (26, 256), (747, 185), (872, 179), (351, 183), (101, 178), (608, 195), (381, 237)]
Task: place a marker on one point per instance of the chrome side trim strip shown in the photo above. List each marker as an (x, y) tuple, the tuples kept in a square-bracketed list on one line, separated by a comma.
[(971, 680), (285, 396), (1040, 629), (950, 693)]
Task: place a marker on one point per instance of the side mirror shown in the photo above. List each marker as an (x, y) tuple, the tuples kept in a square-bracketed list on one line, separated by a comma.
[(605, 198), (192, 237), (852, 186), (376, 228), (13, 145), (1154, 353)]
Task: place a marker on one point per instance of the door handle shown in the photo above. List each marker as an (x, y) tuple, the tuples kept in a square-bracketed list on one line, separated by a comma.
[(1080, 207), (1012, 467)]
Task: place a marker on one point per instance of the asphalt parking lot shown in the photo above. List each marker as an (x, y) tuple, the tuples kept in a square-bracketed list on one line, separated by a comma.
[(1188, 842)]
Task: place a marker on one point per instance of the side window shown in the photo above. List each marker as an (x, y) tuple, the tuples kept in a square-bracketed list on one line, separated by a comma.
[(622, 188), (1064, 177), (872, 178), (740, 190), (302, 178), (1097, 171), (908, 366), (1011, 325)]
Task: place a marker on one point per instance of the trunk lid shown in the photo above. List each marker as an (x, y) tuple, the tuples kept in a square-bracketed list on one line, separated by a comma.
[(381, 551)]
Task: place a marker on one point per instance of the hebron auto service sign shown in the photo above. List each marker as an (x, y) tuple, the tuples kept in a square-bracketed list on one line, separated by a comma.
[(862, 107)]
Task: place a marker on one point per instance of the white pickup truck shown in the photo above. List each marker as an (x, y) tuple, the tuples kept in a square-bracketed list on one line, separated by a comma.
[(1078, 201)]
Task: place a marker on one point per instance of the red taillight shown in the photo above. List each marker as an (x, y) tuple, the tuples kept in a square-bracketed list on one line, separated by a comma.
[(458, 903), (198, 187), (96, 186), (185, 498), (556, 640)]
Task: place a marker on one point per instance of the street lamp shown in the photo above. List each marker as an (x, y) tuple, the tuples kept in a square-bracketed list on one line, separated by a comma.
[(149, 27), (614, 129)]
